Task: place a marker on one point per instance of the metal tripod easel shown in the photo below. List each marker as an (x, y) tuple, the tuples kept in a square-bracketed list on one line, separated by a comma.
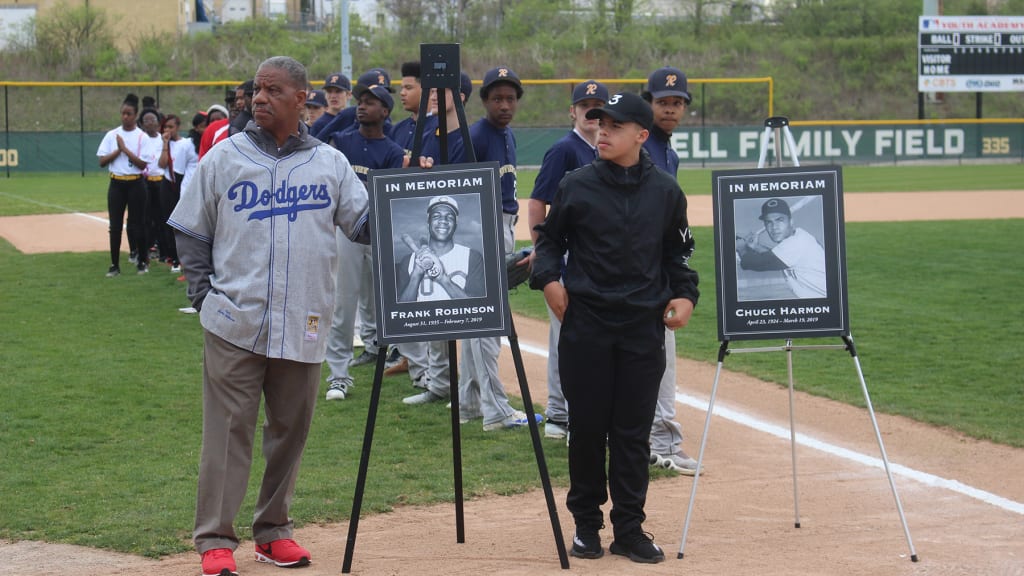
[(781, 125)]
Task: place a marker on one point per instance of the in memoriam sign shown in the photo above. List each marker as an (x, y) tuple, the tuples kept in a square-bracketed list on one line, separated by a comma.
[(970, 54)]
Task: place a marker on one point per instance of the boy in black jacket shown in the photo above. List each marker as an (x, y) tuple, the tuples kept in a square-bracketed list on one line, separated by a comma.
[(623, 223)]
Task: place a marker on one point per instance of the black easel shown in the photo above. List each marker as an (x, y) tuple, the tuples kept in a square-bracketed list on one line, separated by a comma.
[(440, 69)]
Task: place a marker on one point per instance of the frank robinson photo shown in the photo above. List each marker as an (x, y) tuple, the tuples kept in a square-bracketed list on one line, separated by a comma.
[(437, 256), (780, 252)]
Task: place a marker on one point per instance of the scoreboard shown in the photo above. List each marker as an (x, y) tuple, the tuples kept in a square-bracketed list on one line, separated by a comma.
[(970, 54)]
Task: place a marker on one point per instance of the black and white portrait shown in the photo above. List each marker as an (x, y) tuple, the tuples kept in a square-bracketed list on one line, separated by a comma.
[(437, 248), (779, 255)]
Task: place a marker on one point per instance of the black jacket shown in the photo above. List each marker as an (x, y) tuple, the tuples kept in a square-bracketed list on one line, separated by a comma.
[(627, 236)]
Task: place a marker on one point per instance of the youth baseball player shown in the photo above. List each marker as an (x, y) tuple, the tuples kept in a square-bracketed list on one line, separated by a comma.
[(576, 149)]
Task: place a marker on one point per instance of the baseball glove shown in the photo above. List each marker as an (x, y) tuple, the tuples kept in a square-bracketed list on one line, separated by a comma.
[(517, 274)]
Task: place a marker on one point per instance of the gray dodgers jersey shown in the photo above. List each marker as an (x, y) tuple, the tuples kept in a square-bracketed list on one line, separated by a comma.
[(271, 223)]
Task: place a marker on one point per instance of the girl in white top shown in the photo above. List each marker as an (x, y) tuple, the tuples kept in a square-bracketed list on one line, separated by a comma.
[(177, 157), (119, 153)]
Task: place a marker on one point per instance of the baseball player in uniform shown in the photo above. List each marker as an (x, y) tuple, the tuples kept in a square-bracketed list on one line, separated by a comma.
[(576, 149), (256, 237), (338, 90), (796, 253), (346, 118), (367, 148), (667, 94), (118, 152), (493, 140)]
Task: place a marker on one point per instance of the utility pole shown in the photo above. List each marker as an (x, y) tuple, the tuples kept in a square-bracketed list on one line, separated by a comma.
[(346, 55)]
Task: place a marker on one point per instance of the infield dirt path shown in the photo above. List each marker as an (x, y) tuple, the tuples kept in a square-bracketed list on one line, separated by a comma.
[(963, 499)]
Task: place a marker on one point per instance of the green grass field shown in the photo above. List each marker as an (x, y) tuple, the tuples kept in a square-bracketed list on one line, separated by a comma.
[(100, 423)]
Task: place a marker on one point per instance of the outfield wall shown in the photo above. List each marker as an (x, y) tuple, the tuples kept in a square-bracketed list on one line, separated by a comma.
[(831, 143)]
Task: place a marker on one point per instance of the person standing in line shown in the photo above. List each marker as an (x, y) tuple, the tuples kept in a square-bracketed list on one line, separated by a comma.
[(338, 90), (176, 156), (216, 127), (623, 222), (119, 154), (346, 118), (429, 363), (269, 343), (404, 132), (316, 103), (152, 144), (667, 94), (576, 149), (366, 148), (492, 139)]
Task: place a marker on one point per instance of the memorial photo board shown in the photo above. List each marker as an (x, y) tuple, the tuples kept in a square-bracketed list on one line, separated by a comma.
[(438, 254), (780, 253)]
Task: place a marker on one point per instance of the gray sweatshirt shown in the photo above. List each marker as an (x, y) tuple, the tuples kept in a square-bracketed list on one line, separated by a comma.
[(255, 232)]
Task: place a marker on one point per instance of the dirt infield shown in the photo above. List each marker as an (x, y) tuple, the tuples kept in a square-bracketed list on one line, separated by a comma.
[(964, 499)]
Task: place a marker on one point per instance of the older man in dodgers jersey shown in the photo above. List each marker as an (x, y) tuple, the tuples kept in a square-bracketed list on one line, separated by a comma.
[(256, 235)]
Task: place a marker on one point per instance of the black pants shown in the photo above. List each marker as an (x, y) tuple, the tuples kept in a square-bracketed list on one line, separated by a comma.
[(154, 230), (122, 194), (170, 193), (610, 377)]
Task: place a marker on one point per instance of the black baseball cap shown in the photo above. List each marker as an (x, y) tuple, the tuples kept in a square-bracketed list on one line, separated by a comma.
[(378, 92), (775, 206), (667, 81), (339, 81), (589, 90), (465, 85), (625, 107), (501, 74), (376, 77)]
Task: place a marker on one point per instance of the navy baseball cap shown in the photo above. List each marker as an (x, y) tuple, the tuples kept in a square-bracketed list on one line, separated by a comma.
[(501, 74), (376, 77), (465, 85), (667, 81), (775, 206), (625, 107), (339, 81), (316, 98), (589, 90), (443, 201), (378, 92)]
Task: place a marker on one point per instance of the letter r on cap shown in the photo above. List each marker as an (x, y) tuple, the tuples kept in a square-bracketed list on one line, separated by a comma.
[(670, 80)]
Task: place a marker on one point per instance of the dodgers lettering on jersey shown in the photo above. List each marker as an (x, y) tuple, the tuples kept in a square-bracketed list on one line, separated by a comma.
[(284, 201)]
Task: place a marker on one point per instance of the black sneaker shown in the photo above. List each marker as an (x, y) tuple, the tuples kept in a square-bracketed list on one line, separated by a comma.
[(364, 358), (639, 547), (113, 271), (586, 543)]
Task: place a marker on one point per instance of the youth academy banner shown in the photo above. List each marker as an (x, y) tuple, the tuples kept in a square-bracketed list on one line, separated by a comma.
[(780, 253)]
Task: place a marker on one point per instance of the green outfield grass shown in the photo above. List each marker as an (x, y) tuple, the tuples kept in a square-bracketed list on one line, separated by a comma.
[(100, 423)]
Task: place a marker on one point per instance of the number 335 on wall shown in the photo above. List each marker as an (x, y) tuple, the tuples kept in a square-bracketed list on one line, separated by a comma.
[(993, 145), (9, 157)]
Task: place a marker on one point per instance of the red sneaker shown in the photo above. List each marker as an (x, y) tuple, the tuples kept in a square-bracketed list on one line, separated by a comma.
[(219, 562), (285, 552)]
